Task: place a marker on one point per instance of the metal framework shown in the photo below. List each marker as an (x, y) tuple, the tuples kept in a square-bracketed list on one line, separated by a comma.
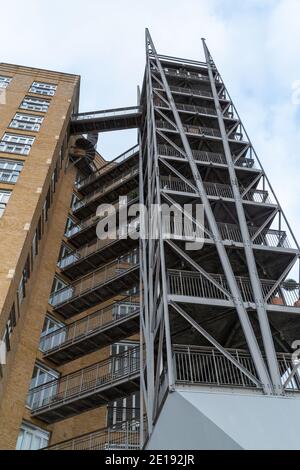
[(223, 315), (191, 130)]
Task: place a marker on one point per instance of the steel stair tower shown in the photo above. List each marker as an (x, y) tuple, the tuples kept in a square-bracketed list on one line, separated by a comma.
[(214, 345)]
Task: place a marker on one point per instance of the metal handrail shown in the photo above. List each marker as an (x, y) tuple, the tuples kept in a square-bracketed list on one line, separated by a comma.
[(87, 380), (106, 113), (109, 166), (208, 366), (197, 92), (106, 273), (230, 232), (105, 188), (187, 74), (121, 436), (94, 219), (214, 189), (88, 325), (194, 284), (87, 249), (190, 129), (203, 156)]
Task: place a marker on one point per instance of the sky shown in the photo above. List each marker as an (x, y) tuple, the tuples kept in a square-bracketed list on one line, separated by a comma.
[(255, 45)]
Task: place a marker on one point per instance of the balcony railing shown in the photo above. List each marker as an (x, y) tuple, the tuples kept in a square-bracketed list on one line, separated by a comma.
[(189, 91), (90, 221), (230, 232), (214, 190), (193, 284), (105, 169), (106, 188), (205, 157), (208, 366), (86, 381), (206, 131), (182, 74), (88, 325), (122, 436), (87, 283)]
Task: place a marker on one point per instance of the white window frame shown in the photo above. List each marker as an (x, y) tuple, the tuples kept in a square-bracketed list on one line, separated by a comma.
[(26, 122), (35, 104), (4, 198), (4, 81), (53, 340), (16, 143), (32, 438), (10, 170), (47, 376), (41, 88)]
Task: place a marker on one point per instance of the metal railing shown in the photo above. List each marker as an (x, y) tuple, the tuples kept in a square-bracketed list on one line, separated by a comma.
[(182, 74), (106, 168), (194, 284), (207, 131), (214, 190), (100, 276), (231, 232), (105, 188), (188, 107), (105, 113), (207, 366), (88, 325), (90, 221), (124, 231), (121, 436), (86, 381), (206, 157), (189, 91)]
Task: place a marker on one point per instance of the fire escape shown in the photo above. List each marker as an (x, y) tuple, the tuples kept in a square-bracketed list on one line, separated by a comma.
[(223, 316)]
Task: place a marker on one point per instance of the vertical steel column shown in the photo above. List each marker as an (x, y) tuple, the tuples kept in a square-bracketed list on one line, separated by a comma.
[(251, 264), (235, 291)]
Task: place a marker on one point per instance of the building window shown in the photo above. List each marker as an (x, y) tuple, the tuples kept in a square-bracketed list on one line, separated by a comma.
[(57, 285), (32, 438), (50, 326), (14, 143), (26, 122), (123, 410), (41, 375), (35, 104), (43, 88), (4, 81), (10, 325), (4, 197), (10, 170)]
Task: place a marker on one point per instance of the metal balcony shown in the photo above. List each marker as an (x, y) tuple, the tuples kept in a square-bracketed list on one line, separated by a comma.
[(108, 192), (111, 170), (91, 256), (113, 323), (85, 231), (109, 280), (208, 366), (88, 388), (189, 284), (106, 120), (121, 436), (229, 232), (186, 75), (204, 157), (216, 190)]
